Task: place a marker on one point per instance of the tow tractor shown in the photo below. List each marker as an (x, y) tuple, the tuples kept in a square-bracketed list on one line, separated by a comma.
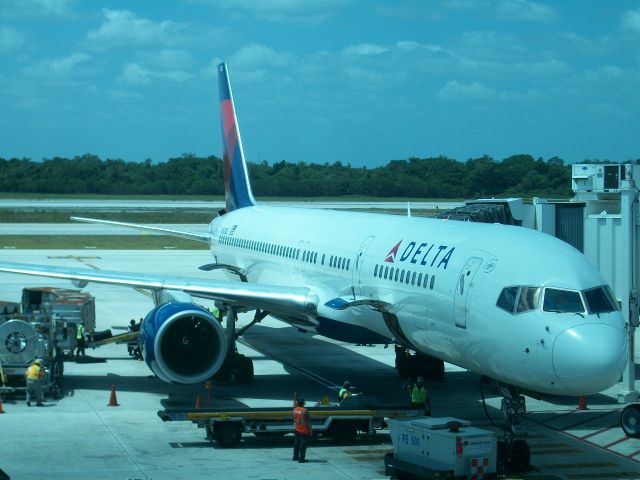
[(341, 422), (439, 448), (42, 326)]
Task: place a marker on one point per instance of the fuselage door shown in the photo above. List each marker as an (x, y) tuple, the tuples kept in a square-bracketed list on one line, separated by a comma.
[(463, 288), (358, 264)]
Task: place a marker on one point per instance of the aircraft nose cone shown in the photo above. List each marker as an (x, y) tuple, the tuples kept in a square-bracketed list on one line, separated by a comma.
[(590, 358)]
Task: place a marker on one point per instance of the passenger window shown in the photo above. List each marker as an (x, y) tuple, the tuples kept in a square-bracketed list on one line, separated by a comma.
[(432, 282), (331, 261), (419, 279), (375, 271), (529, 299), (407, 278), (413, 278), (426, 282), (395, 279), (402, 276), (386, 271), (507, 299), (562, 301), (348, 262), (391, 273), (322, 262)]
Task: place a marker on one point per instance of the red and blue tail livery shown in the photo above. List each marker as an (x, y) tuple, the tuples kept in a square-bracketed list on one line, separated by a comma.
[(237, 188)]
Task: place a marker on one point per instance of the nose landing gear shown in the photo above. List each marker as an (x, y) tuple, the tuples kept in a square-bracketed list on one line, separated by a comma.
[(513, 449)]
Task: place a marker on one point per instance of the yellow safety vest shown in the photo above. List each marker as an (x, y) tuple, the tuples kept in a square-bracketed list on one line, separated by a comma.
[(418, 394), (35, 372), (80, 332)]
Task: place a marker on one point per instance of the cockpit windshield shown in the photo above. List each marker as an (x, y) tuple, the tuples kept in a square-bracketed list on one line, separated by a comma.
[(562, 301), (520, 299), (601, 300)]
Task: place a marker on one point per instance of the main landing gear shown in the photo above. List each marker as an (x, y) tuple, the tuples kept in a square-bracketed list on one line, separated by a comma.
[(417, 365), (237, 366), (513, 449)]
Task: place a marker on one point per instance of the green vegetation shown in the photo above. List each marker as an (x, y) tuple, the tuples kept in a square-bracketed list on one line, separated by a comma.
[(440, 177), (106, 242)]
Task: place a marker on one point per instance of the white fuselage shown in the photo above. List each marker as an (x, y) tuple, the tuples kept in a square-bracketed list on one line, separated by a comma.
[(442, 280)]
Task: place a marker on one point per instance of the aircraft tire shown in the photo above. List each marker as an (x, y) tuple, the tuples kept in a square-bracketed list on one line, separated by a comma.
[(519, 455), (630, 420), (243, 371), (228, 434), (343, 432)]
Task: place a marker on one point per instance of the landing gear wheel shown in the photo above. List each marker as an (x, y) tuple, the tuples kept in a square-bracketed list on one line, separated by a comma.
[(630, 420), (228, 434), (243, 370), (519, 456), (344, 432)]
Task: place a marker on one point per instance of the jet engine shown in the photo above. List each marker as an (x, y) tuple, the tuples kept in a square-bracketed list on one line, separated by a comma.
[(182, 342)]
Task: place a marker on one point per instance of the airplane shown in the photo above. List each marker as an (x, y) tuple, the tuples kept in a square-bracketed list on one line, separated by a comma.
[(509, 303)]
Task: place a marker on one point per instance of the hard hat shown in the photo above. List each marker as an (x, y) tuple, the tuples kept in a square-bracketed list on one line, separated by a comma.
[(346, 384), (300, 401), (38, 362)]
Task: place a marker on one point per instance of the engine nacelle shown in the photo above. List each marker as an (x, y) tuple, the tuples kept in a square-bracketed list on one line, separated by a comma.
[(182, 342)]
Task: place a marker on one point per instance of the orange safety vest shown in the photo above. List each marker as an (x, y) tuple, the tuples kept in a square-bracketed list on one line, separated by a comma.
[(35, 372), (301, 420)]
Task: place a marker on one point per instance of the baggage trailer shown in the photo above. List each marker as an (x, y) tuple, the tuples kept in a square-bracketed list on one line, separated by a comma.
[(437, 448), (342, 422)]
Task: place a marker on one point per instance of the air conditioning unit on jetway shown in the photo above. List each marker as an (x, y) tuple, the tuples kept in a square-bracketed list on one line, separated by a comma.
[(598, 178)]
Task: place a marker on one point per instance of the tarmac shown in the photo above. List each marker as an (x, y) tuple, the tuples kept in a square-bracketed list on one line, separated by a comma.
[(81, 437)]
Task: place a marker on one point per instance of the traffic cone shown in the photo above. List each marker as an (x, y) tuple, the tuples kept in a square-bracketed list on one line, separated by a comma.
[(1, 407), (582, 403), (113, 401), (198, 402)]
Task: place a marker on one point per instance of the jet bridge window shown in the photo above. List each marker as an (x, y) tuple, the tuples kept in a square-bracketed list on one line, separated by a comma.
[(601, 300), (562, 301)]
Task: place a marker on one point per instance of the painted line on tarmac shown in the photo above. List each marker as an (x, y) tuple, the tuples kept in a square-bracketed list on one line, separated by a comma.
[(303, 371)]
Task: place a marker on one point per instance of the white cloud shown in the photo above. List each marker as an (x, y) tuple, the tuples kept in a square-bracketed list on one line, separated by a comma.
[(35, 7), (631, 20), (524, 10), (59, 67), (136, 74), (167, 59), (308, 11), (122, 28), (364, 49), (254, 56), (10, 39), (455, 91)]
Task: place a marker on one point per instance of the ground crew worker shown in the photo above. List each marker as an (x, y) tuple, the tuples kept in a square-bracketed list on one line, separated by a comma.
[(420, 396), (80, 342), (35, 376), (302, 425), (344, 391)]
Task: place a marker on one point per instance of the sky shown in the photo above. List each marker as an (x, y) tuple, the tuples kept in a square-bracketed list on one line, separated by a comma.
[(362, 82)]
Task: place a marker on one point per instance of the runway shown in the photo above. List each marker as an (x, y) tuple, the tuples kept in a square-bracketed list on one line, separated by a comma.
[(80, 437), (87, 229)]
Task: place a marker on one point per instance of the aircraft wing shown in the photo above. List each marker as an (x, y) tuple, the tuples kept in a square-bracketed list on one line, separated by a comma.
[(271, 298), (201, 237)]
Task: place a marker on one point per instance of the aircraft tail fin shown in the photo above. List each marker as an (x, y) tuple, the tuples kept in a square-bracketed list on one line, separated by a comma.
[(237, 188)]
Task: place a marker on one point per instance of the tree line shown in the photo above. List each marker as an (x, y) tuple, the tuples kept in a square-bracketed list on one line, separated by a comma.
[(438, 177)]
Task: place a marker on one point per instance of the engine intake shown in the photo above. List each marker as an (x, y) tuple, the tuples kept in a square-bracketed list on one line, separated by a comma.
[(182, 343)]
